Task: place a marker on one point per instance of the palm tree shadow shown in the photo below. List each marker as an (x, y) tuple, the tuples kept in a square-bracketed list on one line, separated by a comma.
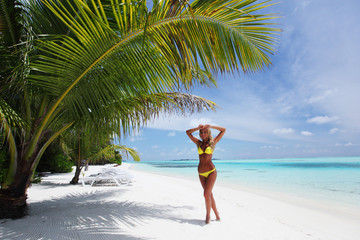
[(87, 215)]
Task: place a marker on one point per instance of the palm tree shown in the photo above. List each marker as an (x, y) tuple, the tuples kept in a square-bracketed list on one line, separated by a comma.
[(99, 154), (117, 62), (86, 142)]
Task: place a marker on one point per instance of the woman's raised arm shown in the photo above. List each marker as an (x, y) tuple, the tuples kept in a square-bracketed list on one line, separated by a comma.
[(190, 131), (221, 133)]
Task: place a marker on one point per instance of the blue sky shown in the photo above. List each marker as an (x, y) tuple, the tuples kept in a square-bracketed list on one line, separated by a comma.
[(306, 104)]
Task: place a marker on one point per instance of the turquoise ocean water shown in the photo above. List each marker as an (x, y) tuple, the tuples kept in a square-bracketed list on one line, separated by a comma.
[(329, 179)]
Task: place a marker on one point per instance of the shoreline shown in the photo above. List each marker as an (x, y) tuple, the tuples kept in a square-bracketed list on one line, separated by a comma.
[(314, 189), (319, 203), (167, 207)]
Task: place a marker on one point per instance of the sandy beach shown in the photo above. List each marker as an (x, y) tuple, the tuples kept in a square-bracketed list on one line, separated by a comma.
[(163, 207)]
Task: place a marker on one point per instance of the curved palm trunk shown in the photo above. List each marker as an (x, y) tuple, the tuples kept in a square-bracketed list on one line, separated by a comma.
[(12, 207), (13, 193), (75, 179), (13, 197)]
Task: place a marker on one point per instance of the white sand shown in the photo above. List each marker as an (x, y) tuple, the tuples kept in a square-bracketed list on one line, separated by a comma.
[(161, 207)]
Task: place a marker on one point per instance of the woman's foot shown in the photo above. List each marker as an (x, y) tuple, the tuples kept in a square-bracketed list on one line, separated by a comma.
[(207, 220), (217, 216)]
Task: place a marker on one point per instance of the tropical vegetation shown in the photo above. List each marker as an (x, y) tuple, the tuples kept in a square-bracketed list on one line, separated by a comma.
[(113, 64)]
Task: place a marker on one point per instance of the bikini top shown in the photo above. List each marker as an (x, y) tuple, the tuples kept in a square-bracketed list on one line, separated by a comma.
[(208, 150)]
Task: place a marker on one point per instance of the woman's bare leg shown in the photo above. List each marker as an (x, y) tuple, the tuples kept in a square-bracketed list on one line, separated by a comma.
[(203, 184), (213, 206), (208, 184)]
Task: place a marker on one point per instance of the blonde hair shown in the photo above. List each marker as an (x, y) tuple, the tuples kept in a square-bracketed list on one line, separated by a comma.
[(210, 139)]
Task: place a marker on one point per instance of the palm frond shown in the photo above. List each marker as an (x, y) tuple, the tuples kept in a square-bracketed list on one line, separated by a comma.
[(10, 115), (126, 151), (109, 152), (218, 35)]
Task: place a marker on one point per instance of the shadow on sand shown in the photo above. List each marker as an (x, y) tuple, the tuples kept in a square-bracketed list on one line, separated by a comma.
[(89, 215)]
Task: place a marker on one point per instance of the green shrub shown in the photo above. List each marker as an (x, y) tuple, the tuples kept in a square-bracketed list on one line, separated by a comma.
[(57, 163), (62, 163)]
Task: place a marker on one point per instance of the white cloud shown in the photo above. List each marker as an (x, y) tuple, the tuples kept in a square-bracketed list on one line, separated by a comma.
[(172, 134), (270, 147), (348, 144), (322, 119), (155, 147), (196, 122), (322, 96), (136, 138), (178, 123), (302, 5), (334, 130), (169, 123), (286, 109), (283, 131), (306, 133)]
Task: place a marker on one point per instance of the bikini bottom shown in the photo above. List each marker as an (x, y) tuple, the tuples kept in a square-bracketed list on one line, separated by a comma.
[(206, 174)]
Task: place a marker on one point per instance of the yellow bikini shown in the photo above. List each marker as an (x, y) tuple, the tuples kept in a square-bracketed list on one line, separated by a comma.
[(206, 174), (208, 150)]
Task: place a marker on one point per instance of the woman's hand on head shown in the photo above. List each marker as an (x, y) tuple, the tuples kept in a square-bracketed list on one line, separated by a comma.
[(201, 126)]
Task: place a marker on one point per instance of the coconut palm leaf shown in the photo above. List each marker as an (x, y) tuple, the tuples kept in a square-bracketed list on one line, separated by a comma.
[(220, 36), (130, 113), (126, 151), (109, 152)]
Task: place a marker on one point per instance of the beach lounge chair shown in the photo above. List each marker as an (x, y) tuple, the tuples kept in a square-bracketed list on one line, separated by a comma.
[(109, 176)]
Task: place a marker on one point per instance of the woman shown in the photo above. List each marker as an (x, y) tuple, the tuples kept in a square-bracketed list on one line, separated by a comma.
[(206, 169)]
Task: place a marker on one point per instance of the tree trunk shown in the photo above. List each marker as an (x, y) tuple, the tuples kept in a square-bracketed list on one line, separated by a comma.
[(12, 207), (75, 179), (13, 198)]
